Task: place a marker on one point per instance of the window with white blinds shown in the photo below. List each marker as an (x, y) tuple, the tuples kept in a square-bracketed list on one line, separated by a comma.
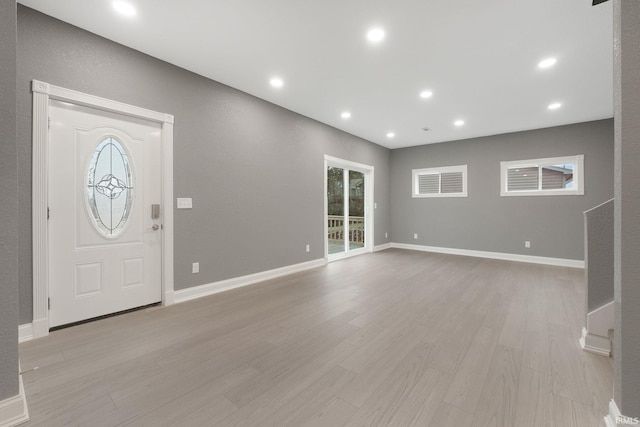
[(450, 181), (552, 176)]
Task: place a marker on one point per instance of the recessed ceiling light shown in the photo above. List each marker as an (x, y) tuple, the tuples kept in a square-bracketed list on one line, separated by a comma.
[(547, 63), (426, 94), (124, 8), (346, 115), (459, 122), (375, 35), (276, 82), (554, 106), (391, 135)]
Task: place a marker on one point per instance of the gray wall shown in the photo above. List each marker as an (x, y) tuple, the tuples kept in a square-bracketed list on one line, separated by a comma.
[(487, 222), (598, 255), (626, 15), (8, 204), (254, 170)]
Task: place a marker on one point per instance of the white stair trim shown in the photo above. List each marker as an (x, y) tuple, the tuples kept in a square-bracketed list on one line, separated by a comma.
[(611, 419), (615, 418), (195, 292), (595, 336), (595, 344), (601, 320), (14, 411), (561, 262)]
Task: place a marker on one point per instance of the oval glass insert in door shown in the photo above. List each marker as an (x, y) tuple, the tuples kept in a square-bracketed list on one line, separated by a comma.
[(110, 187)]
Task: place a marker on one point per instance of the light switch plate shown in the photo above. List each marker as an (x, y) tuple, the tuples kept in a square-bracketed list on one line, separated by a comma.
[(185, 203)]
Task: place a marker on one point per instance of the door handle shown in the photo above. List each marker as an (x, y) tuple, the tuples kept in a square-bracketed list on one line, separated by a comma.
[(154, 227)]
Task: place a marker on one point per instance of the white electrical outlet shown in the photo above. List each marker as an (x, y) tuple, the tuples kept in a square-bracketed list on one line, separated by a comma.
[(185, 203), (308, 248), (386, 235), (195, 267), (375, 205), (527, 244), (415, 235)]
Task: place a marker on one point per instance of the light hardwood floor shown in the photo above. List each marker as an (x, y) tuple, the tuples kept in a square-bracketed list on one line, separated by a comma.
[(395, 338)]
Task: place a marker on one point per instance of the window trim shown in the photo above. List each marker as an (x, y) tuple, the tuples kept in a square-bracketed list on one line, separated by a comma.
[(415, 173), (578, 176)]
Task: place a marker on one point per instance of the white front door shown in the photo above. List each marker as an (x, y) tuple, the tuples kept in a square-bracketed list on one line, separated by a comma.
[(105, 236)]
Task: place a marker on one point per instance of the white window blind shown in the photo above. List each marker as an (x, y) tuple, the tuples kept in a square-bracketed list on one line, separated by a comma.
[(543, 177), (520, 179), (429, 183), (450, 181)]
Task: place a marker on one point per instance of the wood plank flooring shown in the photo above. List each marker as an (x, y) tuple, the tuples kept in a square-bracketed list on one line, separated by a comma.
[(395, 338)]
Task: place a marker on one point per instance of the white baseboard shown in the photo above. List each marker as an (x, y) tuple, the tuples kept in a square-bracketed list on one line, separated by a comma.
[(382, 247), (595, 343), (595, 336), (14, 411), (561, 262), (25, 332), (601, 320), (238, 282), (616, 419)]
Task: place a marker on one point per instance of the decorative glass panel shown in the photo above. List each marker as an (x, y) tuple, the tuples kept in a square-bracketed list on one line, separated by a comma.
[(110, 187)]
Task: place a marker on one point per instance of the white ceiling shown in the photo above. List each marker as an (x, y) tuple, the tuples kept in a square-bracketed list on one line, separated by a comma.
[(478, 57)]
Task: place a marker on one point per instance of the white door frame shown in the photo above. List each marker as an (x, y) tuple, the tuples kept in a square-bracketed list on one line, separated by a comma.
[(43, 93), (368, 207)]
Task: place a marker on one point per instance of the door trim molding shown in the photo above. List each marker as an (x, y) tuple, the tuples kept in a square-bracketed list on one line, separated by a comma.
[(369, 177), (43, 93)]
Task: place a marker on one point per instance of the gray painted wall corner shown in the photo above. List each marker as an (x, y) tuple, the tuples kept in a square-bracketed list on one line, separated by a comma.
[(627, 205), (8, 204), (599, 263), (484, 220)]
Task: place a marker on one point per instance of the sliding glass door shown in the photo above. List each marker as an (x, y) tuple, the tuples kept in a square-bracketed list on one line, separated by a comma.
[(356, 225), (348, 214), (335, 210)]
